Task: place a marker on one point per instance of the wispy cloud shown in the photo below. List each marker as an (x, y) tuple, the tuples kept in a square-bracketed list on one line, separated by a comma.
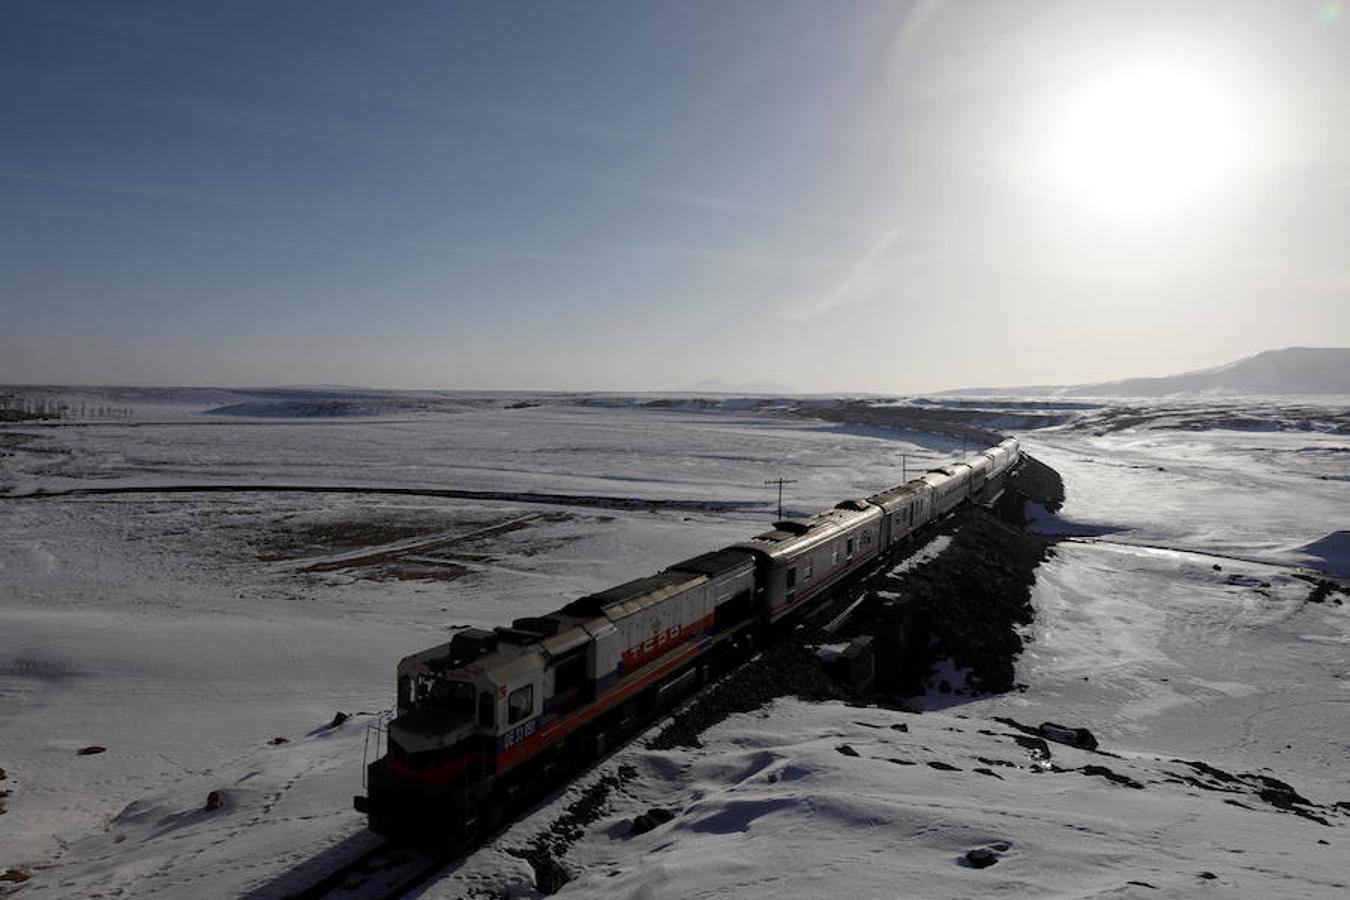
[(738, 257), (861, 282), (485, 251), (720, 203)]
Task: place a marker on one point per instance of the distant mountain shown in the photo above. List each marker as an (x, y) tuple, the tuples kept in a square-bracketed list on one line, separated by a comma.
[(1292, 371), (717, 386)]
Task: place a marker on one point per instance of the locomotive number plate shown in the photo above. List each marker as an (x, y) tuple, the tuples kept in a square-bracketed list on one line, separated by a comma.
[(518, 734)]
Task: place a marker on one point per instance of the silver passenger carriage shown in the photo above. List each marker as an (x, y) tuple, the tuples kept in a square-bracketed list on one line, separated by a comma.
[(800, 558)]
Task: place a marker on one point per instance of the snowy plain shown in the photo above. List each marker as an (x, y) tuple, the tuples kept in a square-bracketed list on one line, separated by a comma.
[(187, 632)]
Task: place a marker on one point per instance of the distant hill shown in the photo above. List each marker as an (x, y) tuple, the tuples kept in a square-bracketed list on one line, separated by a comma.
[(717, 386), (1292, 371)]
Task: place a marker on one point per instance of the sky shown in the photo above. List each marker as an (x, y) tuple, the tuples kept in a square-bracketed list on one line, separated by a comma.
[(844, 196)]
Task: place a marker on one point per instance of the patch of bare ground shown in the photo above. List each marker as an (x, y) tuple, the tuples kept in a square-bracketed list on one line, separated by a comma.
[(296, 538), (403, 546)]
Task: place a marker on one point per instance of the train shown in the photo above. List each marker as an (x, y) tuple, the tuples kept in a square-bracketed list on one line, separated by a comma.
[(482, 721)]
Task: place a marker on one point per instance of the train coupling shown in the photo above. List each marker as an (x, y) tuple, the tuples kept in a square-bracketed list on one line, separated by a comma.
[(361, 803)]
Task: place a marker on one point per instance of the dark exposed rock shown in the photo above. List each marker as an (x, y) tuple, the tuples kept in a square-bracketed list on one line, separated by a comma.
[(981, 858), (1013, 723), (1039, 483), (990, 772), (214, 801), (1064, 734), (942, 766), (900, 726), (900, 762), (846, 750), (997, 762), (1211, 771), (1153, 887), (1114, 777), (91, 750), (652, 818), (338, 719), (966, 605), (1037, 748), (1323, 589), (783, 669), (547, 847), (15, 875), (549, 875), (1281, 799), (279, 740), (1208, 876)]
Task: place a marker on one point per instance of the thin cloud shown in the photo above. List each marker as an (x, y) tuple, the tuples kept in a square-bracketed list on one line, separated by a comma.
[(722, 255), (721, 204), (859, 284)]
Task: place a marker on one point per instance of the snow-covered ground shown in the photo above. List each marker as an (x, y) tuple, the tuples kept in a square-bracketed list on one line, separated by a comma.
[(186, 632)]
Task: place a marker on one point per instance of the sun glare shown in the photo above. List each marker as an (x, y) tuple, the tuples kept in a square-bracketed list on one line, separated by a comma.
[(1145, 138)]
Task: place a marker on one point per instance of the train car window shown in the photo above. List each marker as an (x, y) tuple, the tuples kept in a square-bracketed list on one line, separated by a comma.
[(520, 704), (791, 578), (487, 710), (848, 549), (404, 692), (454, 696), (808, 572), (569, 674)]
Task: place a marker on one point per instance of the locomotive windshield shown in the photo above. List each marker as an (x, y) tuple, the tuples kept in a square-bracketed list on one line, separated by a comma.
[(434, 702), (434, 691)]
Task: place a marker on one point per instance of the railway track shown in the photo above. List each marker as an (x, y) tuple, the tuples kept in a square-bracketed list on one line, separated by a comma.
[(393, 870), (387, 871)]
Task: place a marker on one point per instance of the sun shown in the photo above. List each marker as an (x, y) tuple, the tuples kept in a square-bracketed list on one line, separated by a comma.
[(1145, 138)]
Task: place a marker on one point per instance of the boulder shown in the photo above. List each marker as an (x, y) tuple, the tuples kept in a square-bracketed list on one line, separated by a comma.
[(651, 819), (981, 858), (1064, 734), (549, 875)]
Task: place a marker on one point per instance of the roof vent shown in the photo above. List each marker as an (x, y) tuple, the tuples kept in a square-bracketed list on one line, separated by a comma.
[(472, 643), (792, 527), (540, 625), (516, 636)]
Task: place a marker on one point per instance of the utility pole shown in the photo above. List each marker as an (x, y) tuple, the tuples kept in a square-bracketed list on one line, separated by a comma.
[(780, 482), (904, 476)]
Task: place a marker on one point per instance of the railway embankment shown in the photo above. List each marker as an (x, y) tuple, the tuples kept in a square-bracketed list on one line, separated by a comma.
[(961, 611)]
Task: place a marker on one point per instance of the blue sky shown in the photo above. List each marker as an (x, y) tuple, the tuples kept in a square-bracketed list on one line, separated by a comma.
[(636, 196)]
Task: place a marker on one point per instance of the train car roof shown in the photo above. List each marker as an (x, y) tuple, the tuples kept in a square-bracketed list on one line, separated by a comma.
[(901, 493), (716, 562), (640, 591), (792, 535)]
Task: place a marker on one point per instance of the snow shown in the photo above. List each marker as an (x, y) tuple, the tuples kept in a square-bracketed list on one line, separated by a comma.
[(182, 633), (772, 808)]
